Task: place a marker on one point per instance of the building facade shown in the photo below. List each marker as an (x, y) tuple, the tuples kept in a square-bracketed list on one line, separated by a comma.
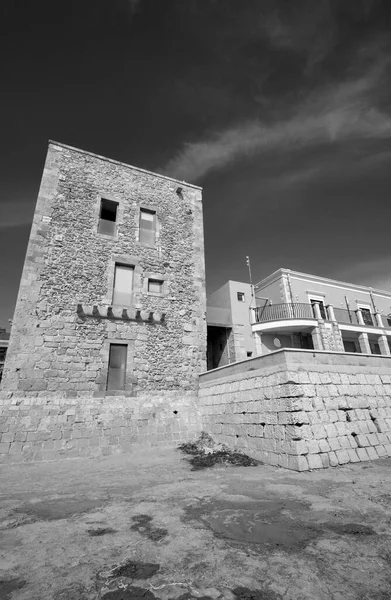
[(289, 309), (112, 295), (230, 336), (298, 310)]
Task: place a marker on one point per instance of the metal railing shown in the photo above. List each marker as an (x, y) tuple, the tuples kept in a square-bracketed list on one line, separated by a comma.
[(277, 312)]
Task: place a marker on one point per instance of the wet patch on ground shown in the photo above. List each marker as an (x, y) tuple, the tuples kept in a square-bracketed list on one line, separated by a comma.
[(59, 508), (8, 586), (356, 529), (135, 570), (100, 531), (143, 525), (286, 525), (130, 593), (243, 593)]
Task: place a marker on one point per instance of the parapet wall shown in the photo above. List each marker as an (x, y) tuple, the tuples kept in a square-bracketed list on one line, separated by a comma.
[(54, 428), (301, 409)]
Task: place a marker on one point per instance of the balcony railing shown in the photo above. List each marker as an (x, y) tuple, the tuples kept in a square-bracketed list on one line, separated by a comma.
[(278, 312), (343, 315)]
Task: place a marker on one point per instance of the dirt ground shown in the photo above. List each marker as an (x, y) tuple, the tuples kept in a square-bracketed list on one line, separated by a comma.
[(144, 525)]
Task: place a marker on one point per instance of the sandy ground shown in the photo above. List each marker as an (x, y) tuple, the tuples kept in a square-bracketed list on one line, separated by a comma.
[(145, 525)]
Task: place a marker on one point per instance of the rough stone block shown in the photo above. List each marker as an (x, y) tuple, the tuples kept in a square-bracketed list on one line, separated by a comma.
[(372, 454), (362, 454), (313, 447), (324, 457), (342, 456), (297, 463), (4, 448), (315, 461), (381, 450), (353, 455), (373, 439)]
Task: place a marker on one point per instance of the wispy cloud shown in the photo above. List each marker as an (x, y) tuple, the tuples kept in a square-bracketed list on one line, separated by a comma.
[(343, 112)]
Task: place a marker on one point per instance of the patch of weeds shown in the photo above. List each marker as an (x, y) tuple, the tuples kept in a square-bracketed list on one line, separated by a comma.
[(135, 570), (7, 586), (142, 524), (130, 593), (206, 453), (202, 461), (100, 531)]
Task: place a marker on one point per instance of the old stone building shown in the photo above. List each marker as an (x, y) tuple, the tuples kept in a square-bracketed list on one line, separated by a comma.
[(112, 296)]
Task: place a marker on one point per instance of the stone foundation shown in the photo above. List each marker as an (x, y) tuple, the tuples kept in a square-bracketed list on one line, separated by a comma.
[(301, 409), (53, 428)]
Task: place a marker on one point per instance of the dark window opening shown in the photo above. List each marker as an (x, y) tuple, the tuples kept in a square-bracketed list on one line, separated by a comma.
[(249, 354), (366, 315), (155, 286), (108, 217), (241, 297), (321, 308), (147, 227), (117, 367)]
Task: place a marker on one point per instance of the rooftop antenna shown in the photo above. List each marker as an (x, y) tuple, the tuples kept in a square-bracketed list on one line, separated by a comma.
[(251, 279)]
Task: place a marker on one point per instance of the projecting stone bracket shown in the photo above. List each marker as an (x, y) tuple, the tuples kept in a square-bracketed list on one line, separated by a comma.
[(122, 314)]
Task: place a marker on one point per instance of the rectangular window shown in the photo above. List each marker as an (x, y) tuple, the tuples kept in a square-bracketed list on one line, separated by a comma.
[(349, 346), (321, 307), (155, 286), (123, 285), (147, 227), (107, 217), (240, 296), (366, 315), (117, 367)]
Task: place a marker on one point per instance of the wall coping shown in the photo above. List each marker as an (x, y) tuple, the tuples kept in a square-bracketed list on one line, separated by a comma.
[(294, 357)]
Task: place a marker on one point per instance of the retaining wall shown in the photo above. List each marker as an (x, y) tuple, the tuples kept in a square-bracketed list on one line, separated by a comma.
[(301, 409), (55, 428)]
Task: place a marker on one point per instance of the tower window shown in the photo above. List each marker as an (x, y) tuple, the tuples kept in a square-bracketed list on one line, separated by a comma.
[(108, 217), (155, 286), (240, 296), (117, 367), (123, 285), (147, 227)]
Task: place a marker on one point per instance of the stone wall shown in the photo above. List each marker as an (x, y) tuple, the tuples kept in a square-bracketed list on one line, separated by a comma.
[(64, 323), (42, 429), (301, 409)]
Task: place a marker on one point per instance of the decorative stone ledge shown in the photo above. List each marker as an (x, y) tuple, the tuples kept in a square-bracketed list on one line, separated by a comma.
[(122, 314)]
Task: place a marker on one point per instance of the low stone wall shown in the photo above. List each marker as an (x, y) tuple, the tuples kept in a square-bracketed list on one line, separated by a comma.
[(301, 409), (54, 428)]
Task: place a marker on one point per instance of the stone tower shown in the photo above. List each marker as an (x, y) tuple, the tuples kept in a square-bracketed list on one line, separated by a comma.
[(112, 296)]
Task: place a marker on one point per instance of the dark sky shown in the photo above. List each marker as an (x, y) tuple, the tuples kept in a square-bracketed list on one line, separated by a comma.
[(280, 109)]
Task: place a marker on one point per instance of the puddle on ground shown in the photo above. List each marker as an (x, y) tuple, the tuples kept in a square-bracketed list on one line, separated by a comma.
[(142, 524), (54, 510), (262, 523), (130, 593), (7, 586)]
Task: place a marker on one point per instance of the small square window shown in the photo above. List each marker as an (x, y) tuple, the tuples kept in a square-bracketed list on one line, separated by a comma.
[(241, 297), (147, 227), (249, 354), (155, 286), (107, 217)]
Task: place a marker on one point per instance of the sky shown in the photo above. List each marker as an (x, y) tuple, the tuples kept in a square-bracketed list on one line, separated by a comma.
[(279, 109)]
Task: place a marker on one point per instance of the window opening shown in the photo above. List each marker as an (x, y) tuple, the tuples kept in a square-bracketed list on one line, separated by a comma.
[(117, 367), (123, 285), (155, 286), (108, 217), (241, 297), (147, 227)]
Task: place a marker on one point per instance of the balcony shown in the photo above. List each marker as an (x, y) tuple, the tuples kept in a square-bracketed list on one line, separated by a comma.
[(282, 312)]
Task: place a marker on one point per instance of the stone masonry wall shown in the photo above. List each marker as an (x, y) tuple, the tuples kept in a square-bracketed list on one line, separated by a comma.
[(44, 429), (301, 409), (63, 322)]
